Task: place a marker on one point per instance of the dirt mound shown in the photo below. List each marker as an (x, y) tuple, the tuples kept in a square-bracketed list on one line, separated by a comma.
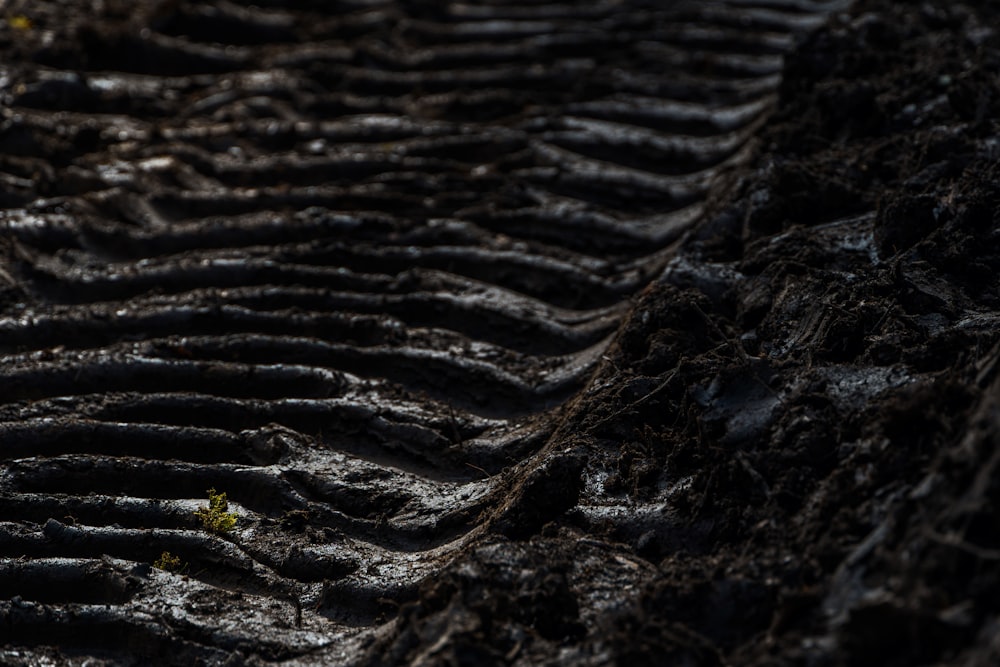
[(797, 426)]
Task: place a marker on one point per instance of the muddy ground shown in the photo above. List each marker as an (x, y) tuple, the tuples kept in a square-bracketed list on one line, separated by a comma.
[(452, 431)]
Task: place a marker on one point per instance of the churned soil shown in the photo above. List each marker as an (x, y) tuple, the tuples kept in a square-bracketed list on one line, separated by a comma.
[(773, 441), (790, 456)]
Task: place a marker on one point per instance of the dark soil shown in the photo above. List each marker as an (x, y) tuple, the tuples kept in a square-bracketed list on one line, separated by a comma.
[(797, 426), (473, 399)]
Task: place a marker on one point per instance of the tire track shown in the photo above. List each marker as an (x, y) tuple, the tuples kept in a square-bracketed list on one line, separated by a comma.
[(343, 264)]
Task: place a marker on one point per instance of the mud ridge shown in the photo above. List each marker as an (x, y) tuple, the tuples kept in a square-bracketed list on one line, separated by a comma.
[(788, 453), (359, 267)]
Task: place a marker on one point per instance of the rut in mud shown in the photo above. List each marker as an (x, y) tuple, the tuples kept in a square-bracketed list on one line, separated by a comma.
[(514, 332), (343, 264)]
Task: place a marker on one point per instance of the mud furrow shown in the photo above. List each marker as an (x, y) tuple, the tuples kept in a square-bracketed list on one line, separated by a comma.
[(302, 312), (345, 263)]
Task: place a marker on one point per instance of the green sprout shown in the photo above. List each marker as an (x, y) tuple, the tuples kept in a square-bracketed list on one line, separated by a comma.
[(215, 518), (20, 22), (168, 562)]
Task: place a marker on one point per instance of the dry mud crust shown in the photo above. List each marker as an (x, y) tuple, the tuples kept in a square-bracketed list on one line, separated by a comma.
[(796, 429), (349, 263)]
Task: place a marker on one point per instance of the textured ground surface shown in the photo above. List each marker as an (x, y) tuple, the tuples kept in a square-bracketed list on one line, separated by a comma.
[(515, 333)]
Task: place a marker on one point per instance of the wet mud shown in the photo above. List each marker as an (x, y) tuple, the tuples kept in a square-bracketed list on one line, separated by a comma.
[(514, 333)]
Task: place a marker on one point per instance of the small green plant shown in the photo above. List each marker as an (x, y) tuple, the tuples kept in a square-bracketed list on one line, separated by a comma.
[(20, 22), (168, 562), (215, 518)]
